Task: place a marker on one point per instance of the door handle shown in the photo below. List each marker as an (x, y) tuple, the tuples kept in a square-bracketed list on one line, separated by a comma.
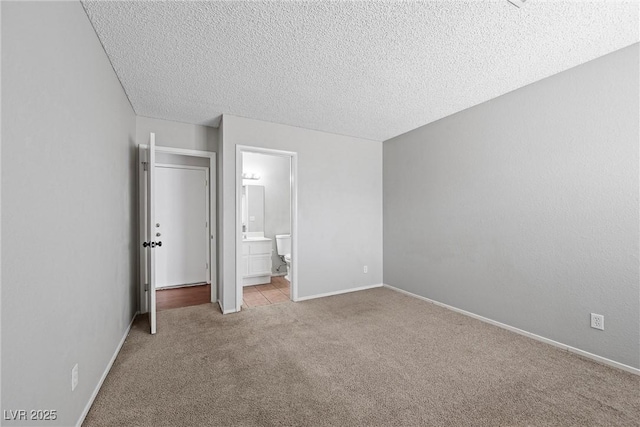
[(145, 244), (159, 243)]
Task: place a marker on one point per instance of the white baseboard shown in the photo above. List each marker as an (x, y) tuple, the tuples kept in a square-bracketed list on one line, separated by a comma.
[(566, 347), (106, 372), (256, 280), (344, 291), (225, 311), (186, 285)]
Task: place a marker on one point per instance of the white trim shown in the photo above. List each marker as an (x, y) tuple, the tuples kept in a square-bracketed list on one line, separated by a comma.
[(172, 166), (238, 227), (186, 285), (293, 274), (151, 219), (343, 291), (182, 151), (293, 156), (142, 229), (106, 372), (223, 310), (253, 280), (213, 227), (560, 345)]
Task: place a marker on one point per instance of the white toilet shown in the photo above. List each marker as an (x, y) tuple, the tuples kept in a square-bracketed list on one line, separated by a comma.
[(283, 245)]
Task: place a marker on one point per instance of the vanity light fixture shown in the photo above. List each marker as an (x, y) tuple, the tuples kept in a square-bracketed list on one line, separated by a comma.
[(250, 176)]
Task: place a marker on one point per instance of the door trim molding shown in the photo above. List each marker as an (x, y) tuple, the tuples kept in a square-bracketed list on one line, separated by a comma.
[(170, 165)]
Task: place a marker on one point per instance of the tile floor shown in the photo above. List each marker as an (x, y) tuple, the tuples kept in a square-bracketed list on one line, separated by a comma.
[(275, 292)]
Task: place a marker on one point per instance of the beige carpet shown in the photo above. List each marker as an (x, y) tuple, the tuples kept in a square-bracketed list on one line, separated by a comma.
[(369, 358)]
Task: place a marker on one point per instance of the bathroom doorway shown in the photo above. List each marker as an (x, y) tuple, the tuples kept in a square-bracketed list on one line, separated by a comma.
[(266, 223)]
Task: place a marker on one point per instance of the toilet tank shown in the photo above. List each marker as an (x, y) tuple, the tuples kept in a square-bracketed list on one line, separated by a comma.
[(283, 244)]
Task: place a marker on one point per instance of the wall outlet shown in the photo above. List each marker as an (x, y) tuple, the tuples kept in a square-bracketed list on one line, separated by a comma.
[(74, 377), (597, 321), (365, 269)]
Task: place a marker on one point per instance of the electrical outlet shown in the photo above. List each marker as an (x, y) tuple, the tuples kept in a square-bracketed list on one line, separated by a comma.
[(365, 269), (74, 377), (597, 321)]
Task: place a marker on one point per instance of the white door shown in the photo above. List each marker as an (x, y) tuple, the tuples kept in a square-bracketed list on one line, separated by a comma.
[(181, 212), (151, 243)]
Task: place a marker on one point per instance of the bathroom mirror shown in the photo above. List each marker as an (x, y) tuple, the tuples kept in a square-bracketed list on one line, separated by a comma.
[(253, 208)]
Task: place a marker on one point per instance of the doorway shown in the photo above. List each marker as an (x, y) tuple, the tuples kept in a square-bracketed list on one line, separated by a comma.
[(177, 224), (266, 226)]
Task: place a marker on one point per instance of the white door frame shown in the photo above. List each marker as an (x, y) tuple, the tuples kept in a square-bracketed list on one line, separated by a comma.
[(293, 156), (207, 202), (142, 158)]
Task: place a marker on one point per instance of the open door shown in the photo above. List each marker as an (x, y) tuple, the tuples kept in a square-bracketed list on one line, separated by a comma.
[(151, 243), (150, 237)]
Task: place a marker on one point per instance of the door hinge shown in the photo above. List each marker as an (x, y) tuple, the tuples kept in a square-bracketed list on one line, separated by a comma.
[(146, 287), (207, 266), (144, 165), (205, 182), (206, 224)]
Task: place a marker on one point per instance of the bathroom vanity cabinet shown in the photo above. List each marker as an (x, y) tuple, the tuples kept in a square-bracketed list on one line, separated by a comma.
[(256, 261)]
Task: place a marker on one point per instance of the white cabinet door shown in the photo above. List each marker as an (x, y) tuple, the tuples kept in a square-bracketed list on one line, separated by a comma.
[(260, 248), (260, 265), (256, 259)]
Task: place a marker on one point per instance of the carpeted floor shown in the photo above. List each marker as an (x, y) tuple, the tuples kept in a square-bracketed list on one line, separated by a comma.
[(369, 358)]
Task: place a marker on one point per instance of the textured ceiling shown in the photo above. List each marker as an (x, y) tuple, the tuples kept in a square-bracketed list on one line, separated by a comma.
[(367, 69)]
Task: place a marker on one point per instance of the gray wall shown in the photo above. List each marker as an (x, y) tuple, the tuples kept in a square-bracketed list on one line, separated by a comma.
[(275, 176), (524, 209), (68, 208), (176, 134), (339, 204)]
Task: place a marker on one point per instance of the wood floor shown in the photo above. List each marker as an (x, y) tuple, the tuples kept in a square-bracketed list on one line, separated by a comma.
[(182, 297)]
